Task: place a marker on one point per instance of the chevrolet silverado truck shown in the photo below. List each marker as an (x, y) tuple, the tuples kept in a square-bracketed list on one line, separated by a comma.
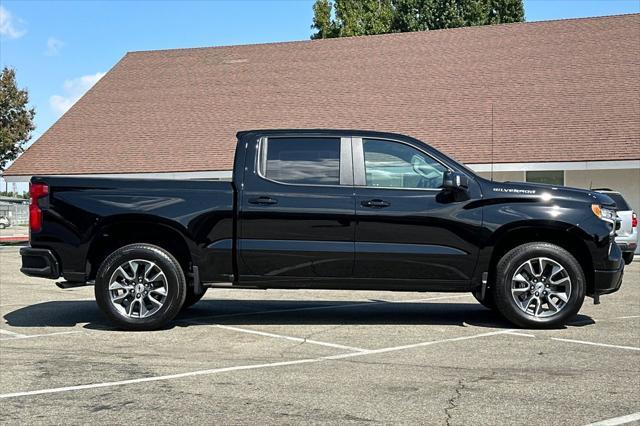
[(325, 209)]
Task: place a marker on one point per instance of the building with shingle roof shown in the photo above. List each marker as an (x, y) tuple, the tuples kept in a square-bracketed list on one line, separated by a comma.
[(554, 101)]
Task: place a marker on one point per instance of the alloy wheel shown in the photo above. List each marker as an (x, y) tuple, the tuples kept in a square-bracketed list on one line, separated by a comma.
[(138, 288), (541, 287)]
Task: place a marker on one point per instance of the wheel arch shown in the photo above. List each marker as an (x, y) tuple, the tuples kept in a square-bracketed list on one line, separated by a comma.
[(121, 232), (561, 234)]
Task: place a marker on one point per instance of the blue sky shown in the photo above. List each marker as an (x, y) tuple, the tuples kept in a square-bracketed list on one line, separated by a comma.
[(60, 48)]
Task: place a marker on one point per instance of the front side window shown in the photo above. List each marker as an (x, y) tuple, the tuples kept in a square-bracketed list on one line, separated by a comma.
[(314, 161), (396, 165)]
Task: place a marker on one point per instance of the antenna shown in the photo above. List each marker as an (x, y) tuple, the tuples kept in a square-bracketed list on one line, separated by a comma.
[(492, 141)]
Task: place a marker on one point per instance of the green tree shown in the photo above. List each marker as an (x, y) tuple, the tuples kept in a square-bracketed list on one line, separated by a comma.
[(361, 17), (16, 119), (322, 20), (345, 18), (364, 17)]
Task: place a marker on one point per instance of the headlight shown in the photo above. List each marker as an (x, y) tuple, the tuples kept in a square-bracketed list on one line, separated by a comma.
[(604, 213)]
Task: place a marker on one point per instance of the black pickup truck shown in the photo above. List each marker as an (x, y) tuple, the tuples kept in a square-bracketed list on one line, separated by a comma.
[(325, 209)]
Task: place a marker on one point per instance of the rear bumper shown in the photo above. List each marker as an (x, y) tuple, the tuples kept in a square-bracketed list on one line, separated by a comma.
[(40, 263), (626, 247)]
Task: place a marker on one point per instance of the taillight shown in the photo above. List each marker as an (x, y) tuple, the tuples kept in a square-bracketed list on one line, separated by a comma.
[(634, 221), (36, 191)]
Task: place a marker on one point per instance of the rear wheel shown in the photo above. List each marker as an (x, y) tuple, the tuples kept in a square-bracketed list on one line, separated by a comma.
[(628, 257), (140, 287), (539, 285)]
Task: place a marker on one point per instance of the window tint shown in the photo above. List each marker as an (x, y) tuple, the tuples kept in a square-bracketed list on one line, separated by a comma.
[(303, 160), (396, 165), (552, 177)]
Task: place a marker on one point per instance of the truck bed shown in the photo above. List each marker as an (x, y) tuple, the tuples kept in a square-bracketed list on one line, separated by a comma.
[(84, 213)]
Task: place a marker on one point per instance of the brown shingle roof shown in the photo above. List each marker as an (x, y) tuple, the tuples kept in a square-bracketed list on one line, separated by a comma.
[(563, 91)]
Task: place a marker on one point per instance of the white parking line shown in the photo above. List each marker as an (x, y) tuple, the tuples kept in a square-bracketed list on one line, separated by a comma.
[(627, 317), (417, 345), (582, 342), (516, 333), (17, 336), (295, 339), (11, 333), (241, 367), (617, 420)]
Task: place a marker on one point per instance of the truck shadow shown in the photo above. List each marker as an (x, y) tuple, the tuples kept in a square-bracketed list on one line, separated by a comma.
[(278, 312)]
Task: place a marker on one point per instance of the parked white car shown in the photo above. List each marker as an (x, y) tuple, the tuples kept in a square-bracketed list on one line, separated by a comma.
[(4, 222), (627, 235)]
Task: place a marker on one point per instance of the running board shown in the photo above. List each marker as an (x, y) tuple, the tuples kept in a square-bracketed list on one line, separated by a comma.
[(70, 284), (230, 285)]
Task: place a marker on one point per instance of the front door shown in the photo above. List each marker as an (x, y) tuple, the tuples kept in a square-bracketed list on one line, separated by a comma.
[(297, 216), (407, 228)]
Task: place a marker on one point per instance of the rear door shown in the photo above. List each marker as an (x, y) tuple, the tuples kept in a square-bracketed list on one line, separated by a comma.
[(297, 214), (407, 227)]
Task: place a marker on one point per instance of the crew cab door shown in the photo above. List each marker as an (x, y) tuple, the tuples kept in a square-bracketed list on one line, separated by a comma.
[(407, 227), (297, 214)]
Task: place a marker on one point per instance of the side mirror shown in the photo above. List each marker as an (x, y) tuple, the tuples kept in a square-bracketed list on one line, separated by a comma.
[(455, 181)]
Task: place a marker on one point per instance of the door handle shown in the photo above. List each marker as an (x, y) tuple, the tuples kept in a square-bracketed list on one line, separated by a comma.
[(263, 201), (375, 204)]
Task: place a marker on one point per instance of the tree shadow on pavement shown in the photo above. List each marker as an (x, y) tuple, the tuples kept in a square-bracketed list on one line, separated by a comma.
[(278, 312)]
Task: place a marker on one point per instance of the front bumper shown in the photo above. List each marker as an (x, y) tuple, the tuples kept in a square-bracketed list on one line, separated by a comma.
[(608, 280), (40, 263)]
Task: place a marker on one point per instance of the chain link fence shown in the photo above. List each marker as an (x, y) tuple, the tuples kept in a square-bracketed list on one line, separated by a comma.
[(16, 214)]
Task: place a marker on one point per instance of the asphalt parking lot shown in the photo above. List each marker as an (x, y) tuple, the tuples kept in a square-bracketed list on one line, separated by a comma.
[(241, 357)]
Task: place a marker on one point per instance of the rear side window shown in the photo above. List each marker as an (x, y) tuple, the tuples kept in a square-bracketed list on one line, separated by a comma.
[(621, 203), (310, 161)]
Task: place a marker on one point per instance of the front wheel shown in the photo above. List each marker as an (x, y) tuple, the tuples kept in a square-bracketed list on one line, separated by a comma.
[(539, 285), (140, 287), (627, 257)]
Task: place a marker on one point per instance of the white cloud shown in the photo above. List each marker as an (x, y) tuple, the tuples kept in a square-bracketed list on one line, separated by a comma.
[(8, 25), (53, 46), (73, 90)]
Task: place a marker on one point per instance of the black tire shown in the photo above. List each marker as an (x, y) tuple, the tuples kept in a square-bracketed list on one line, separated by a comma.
[(509, 264), (628, 257), (176, 287), (488, 301), (193, 297)]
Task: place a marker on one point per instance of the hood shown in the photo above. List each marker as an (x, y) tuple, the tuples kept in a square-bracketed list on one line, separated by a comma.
[(522, 190)]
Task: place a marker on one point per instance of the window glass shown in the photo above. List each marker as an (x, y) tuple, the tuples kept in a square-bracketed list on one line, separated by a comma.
[(303, 160), (396, 165), (552, 177), (617, 198)]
